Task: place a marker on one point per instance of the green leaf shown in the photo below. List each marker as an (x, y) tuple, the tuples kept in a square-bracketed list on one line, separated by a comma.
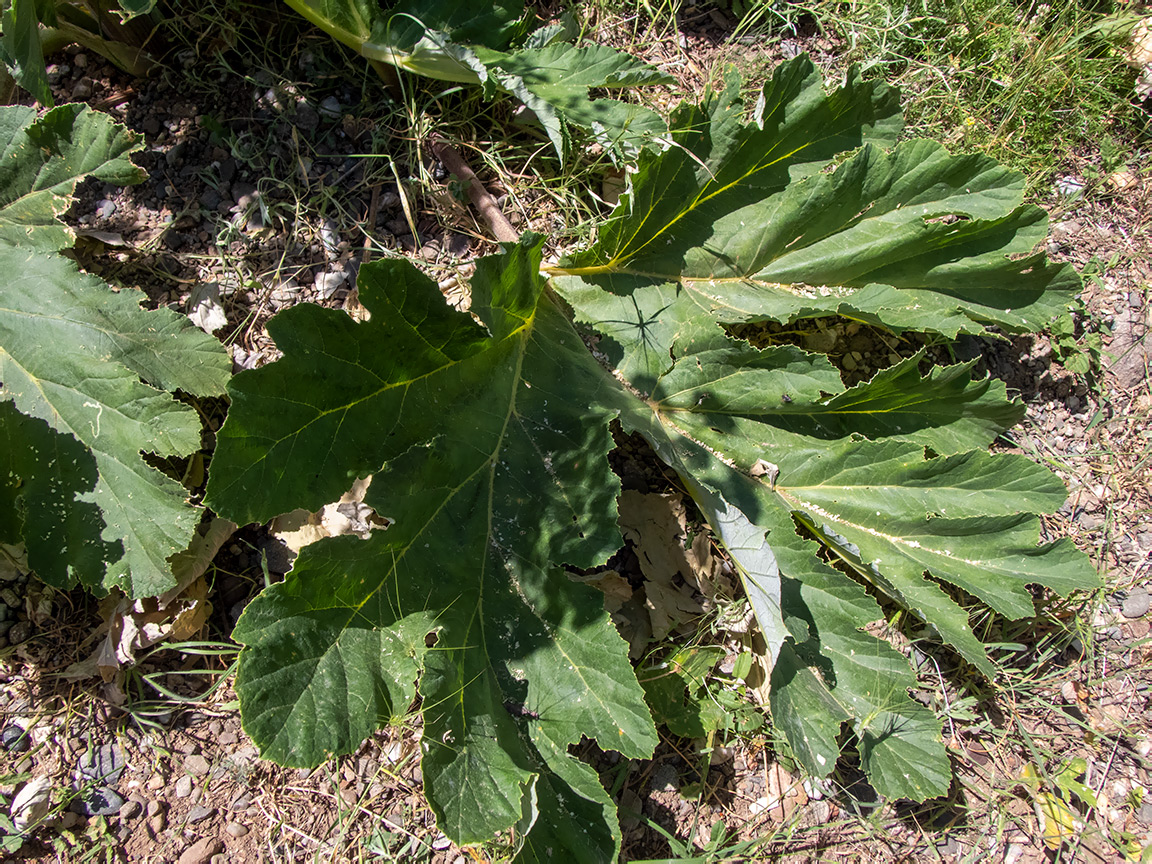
[(486, 436), (735, 227), (46, 477), (73, 353), (407, 23), (471, 43), (673, 690), (422, 36), (135, 8), (800, 394), (488, 449), (347, 701), (573, 812), (93, 366), (43, 160), (885, 510), (555, 81), (20, 48)]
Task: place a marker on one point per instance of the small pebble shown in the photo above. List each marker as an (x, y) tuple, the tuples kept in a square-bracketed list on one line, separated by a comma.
[(99, 801), (1144, 814), (1090, 521), (665, 779), (184, 787), (199, 813), (327, 283), (155, 808), (16, 740), (156, 823), (20, 632), (1136, 604), (235, 829), (201, 851), (131, 809), (68, 820), (456, 244), (197, 765), (1068, 187), (104, 764), (306, 117)]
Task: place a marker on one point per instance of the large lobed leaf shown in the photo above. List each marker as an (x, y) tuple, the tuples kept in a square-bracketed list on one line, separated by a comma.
[(487, 447), (83, 375), (739, 224), (43, 159)]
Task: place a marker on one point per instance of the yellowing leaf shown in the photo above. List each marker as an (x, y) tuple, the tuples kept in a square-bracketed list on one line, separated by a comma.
[(1058, 824)]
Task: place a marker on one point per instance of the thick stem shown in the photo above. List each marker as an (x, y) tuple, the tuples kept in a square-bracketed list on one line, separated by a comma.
[(484, 203), (136, 61)]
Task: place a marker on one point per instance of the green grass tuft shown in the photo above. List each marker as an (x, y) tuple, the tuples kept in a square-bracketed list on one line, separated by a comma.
[(1034, 85)]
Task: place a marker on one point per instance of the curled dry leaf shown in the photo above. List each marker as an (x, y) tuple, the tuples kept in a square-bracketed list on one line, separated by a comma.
[(1057, 823), (31, 803), (100, 238), (1140, 57), (657, 527), (176, 615), (1140, 52), (616, 589), (349, 515), (13, 561), (785, 793), (205, 309), (1124, 180), (38, 602)]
